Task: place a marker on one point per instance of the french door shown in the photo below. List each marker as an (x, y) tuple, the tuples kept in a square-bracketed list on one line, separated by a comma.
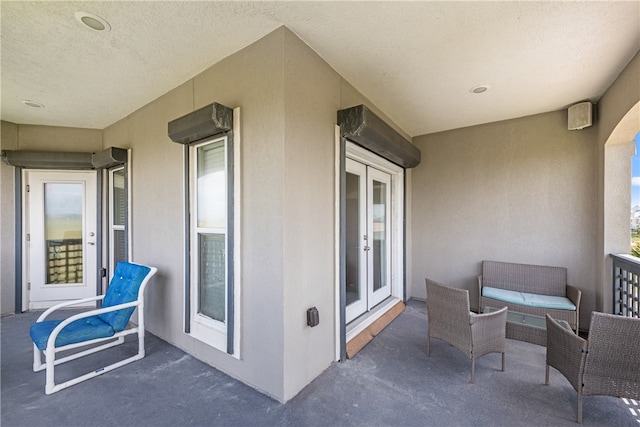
[(60, 236), (368, 237)]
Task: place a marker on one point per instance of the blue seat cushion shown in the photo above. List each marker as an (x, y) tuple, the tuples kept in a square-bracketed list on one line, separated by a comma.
[(80, 330), (528, 299), (123, 288)]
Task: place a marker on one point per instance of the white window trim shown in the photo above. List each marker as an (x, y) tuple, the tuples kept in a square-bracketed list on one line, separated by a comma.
[(202, 328)]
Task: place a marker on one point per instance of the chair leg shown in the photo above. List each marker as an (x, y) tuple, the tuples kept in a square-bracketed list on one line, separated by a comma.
[(37, 359), (580, 405), (502, 361), (428, 345), (473, 370), (546, 375), (50, 359)]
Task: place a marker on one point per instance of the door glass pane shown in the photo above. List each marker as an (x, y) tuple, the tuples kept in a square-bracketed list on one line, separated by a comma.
[(211, 292), (63, 232), (379, 235), (212, 186), (352, 230)]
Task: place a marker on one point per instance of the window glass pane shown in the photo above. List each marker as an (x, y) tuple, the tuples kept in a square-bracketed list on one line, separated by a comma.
[(211, 186), (119, 198), (63, 232), (212, 275), (353, 237), (119, 247), (379, 235)]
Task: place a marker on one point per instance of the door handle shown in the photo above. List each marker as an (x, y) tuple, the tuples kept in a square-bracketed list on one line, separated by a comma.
[(91, 243), (366, 248)]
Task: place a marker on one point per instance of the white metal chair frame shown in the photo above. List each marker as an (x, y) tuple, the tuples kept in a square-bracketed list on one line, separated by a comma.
[(118, 337)]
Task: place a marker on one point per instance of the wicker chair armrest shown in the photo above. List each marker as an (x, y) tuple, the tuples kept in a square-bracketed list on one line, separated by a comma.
[(566, 351), (574, 294), (480, 293), (494, 320)]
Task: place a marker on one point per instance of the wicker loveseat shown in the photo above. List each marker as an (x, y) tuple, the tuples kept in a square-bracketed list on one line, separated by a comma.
[(529, 290)]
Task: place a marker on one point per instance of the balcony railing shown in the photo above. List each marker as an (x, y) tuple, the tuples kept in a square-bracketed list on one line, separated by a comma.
[(626, 285), (64, 261)]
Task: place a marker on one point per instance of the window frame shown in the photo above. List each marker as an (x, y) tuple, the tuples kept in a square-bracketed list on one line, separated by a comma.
[(205, 328), (111, 227), (223, 336)]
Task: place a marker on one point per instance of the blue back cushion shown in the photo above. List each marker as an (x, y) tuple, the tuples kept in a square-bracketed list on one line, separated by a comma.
[(123, 288)]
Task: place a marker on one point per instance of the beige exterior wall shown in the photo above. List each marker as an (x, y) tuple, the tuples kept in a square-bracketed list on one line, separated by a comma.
[(618, 123), (251, 79), (43, 138), (312, 99), (520, 190), (8, 141)]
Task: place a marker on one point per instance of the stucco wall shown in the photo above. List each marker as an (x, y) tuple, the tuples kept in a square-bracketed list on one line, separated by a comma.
[(8, 141), (518, 191), (54, 138), (312, 98), (617, 123), (252, 80)]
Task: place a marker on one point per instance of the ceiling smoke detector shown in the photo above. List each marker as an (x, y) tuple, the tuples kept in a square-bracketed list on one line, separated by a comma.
[(92, 21), (479, 89)]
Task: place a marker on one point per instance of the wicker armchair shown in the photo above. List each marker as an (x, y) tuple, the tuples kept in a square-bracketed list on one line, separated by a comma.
[(607, 364), (450, 319)]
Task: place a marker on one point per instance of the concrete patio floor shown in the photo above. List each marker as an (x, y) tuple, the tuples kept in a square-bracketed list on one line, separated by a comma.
[(391, 382)]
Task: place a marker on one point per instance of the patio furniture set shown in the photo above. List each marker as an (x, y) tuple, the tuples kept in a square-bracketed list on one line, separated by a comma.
[(535, 304), (524, 302)]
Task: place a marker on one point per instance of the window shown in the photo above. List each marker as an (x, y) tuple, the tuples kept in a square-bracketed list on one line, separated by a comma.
[(117, 218), (211, 237)]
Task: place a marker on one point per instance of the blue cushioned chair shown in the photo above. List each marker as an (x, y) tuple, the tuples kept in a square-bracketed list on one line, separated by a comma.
[(109, 323)]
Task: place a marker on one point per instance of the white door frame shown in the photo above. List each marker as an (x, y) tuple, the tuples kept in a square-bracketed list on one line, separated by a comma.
[(365, 240), (34, 278), (362, 155)]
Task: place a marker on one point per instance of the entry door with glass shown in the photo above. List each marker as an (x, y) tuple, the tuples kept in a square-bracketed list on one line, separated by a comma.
[(368, 238), (60, 236)]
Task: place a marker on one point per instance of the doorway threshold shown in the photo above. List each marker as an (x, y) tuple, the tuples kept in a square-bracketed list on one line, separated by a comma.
[(363, 329)]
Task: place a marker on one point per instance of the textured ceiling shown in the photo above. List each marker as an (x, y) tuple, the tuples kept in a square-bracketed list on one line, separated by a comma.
[(416, 60)]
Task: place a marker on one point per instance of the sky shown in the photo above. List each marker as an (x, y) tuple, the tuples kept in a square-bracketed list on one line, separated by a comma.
[(635, 174)]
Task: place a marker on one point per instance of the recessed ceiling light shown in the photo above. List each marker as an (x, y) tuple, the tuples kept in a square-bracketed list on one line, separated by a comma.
[(32, 104), (92, 21), (479, 89)]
